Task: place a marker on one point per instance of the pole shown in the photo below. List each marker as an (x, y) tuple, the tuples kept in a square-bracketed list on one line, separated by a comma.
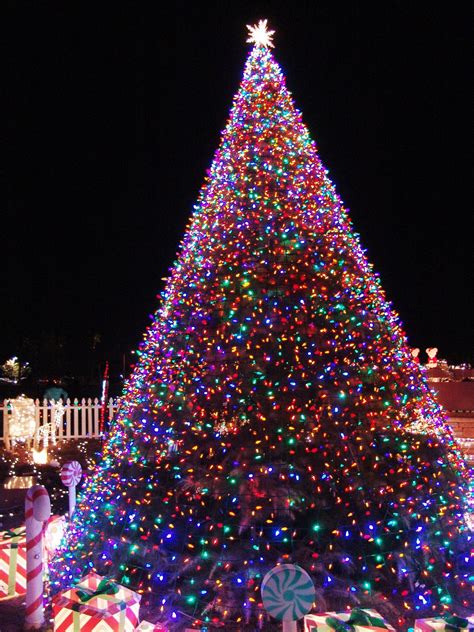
[(72, 499), (289, 626), (37, 511), (103, 399)]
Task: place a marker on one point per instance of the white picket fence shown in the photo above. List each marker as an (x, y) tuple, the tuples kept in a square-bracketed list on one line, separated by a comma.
[(80, 418)]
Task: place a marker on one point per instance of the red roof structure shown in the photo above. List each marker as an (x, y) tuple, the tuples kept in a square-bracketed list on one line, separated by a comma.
[(454, 388)]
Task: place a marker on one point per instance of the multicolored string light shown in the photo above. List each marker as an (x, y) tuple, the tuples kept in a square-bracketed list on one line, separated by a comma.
[(275, 413)]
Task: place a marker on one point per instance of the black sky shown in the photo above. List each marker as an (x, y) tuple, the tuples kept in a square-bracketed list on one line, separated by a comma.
[(112, 113)]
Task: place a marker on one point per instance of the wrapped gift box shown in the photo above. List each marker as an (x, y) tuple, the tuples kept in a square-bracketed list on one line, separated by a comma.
[(318, 622), (96, 605), (451, 624), (13, 562), (146, 626)]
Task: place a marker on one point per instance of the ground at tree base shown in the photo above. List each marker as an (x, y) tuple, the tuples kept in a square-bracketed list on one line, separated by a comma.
[(12, 611), (12, 617)]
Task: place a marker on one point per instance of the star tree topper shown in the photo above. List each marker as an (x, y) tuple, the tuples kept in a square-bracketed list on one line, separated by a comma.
[(259, 35)]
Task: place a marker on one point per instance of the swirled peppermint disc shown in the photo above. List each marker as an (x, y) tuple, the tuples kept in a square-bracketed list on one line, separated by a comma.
[(71, 473), (287, 592)]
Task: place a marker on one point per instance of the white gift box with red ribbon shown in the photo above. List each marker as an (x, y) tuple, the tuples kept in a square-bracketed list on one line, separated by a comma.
[(13, 562), (437, 624), (318, 622), (87, 607), (146, 626)]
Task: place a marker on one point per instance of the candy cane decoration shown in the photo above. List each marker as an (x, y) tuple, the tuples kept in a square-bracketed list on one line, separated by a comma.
[(71, 474), (37, 511), (287, 594)]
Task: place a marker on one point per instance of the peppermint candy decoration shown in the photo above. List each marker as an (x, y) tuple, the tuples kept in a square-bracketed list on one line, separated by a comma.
[(71, 473), (287, 592)]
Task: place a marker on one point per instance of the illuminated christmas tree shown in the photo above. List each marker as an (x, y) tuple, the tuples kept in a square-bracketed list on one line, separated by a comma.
[(275, 413)]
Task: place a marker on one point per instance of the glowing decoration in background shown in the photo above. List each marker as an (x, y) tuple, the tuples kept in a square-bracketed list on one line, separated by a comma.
[(53, 534), (40, 457), (432, 352), (37, 511), (13, 371), (469, 515), (19, 482), (415, 354), (71, 474), (268, 419), (22, 420), (48, 431), (288, 594), (58, 415)]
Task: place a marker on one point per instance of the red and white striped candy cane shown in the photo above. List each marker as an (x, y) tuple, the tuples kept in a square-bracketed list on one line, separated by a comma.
[(37, 511)]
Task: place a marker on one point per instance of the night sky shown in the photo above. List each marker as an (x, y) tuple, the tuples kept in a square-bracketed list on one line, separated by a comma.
[(112, 113)]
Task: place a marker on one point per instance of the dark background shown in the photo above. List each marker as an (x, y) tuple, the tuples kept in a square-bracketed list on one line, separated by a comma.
[(112, 112)]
